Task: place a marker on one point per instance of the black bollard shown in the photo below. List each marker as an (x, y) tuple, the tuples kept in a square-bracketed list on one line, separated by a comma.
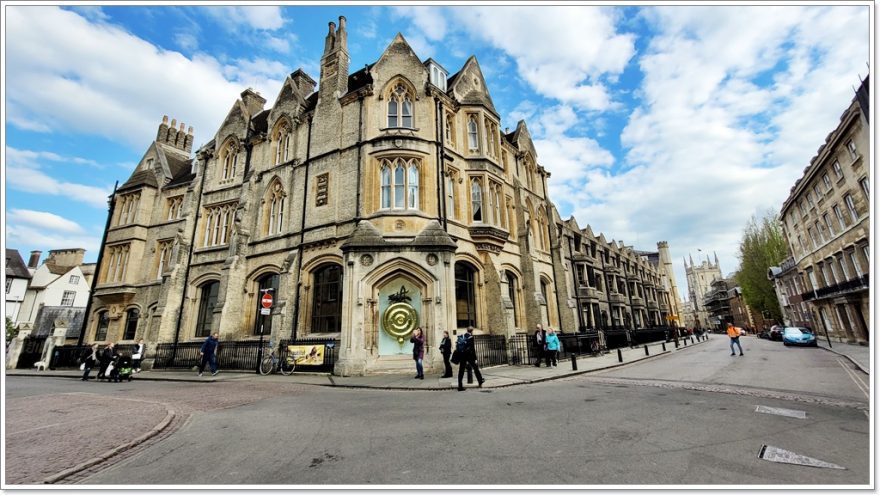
[(692, 340), (574, 362), (619, 356), (646, 351), (664, 346), (470, 374), (676, 344)]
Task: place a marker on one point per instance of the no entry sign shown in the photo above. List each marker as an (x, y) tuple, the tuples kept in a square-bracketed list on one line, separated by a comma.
[(266, 300)]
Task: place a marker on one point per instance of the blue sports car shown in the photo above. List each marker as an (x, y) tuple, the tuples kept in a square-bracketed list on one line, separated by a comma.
[(798, 336)]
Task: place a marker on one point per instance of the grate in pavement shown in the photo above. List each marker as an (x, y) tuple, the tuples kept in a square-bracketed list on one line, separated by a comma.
[(775, 454), (791, 413)]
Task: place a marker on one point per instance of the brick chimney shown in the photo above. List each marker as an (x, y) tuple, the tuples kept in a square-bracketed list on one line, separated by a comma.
[(252, 101), (34, 260), (172, 136)]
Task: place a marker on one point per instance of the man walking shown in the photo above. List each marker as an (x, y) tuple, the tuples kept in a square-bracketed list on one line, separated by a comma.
[(733, 333), (446, 350), (208, 353), (468, 352)]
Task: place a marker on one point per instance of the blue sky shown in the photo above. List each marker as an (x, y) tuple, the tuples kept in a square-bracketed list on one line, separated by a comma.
[(671, 123)]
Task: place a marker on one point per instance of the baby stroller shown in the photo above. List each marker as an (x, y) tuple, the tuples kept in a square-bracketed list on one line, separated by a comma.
[(123, 368)]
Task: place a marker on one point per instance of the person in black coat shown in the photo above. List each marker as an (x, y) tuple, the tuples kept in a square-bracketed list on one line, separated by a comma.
[(107, 356), (446, 350), (89, 358), (539, 344), (138, 355), (468, 358)]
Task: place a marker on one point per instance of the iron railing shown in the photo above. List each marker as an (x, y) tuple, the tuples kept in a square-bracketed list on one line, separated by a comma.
[(331, 353), (239, 355), (67, 356), (491, 349), (31, 352)]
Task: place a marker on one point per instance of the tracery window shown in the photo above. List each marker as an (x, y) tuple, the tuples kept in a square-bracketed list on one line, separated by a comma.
[(400, 182), (450, 129), (229, 161), (274, 209), (127, 204), (103, 324), (117, 256), (477, 199), (163, 255), (281, 140), (400, 107), (473, 133), (175, 207), (218, 224)]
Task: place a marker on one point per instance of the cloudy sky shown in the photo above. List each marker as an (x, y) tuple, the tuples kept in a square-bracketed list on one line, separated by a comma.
[(657, 122)]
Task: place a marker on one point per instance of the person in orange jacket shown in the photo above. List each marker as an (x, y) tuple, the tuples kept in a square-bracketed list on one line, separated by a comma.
[(733, 333)]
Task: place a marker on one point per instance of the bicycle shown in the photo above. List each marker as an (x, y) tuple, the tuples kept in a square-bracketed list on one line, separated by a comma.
[(273, 362)]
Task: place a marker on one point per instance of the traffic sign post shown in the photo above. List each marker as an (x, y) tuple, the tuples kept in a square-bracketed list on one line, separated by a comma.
[(265, 310)]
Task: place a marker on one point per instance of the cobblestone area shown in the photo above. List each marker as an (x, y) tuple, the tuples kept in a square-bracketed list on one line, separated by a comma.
[(47, 434)]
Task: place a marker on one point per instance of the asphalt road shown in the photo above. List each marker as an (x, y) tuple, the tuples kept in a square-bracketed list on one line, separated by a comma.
[(684, 419)]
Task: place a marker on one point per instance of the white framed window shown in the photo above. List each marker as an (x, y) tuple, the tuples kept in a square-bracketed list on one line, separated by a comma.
[(473, 129), (838, 172), (843, 268), (866, 253), (817, 191), (827, 181), (832, 273), (830, 226), (8, 284), (851, 206), (839, 215), (810, 202), (218, 224), (275, 209), (175, 208), (229, 160), (851, 147), (812, 278), (163, 254), (450, 129), (477, 200), (68, 297), (117, 263), (400, 107), (400, 182), (74, 280), (812, 235), (450, 195), (281, 140), (866, 187), (819, 231), (854, 259)]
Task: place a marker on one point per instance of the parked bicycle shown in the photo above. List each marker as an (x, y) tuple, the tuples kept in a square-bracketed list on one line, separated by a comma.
[(272, 361)]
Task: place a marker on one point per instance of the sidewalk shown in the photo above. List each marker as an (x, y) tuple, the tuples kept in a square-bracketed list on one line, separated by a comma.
[(495, 376), (859, 355)]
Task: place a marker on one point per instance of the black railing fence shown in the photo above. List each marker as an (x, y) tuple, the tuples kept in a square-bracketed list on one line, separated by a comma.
[(615, 339), (648, 335), (491, 349), (31, 351), (67, 356), (578, 344), (239, 355), (184, 357), (331, 353)]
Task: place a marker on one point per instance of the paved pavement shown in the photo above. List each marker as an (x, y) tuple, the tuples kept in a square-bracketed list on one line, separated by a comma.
[(860, 355), (495, 376)]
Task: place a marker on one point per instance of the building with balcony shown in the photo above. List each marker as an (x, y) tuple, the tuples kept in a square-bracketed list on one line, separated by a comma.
[(826, 222)]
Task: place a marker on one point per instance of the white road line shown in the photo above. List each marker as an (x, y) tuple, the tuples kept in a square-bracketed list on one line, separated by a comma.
[(854, 378)]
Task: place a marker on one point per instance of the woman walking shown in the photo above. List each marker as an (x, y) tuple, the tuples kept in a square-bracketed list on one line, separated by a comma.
[(88, 358), (418, 342), (552, 347), (138, 355)]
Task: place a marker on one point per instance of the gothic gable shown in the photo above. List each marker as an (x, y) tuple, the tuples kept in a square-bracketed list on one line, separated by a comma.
[(468, 86)]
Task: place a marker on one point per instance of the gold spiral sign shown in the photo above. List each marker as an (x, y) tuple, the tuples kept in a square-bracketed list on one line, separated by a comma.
[(399, 320)]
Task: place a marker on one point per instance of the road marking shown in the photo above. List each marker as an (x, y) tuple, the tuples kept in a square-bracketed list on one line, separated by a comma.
[(775, 454), (855, 378), (791, 413)]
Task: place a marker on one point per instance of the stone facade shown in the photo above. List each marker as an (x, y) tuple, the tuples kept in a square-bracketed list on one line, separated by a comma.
[(826, 221), (347, 196), (699, 279)]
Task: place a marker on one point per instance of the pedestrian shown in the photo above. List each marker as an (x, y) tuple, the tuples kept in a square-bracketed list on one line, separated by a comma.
[(446, 350), (733, 333), (104, 359), (208, 354), (465, 345), (138, 355), (418, 342), (539, 344), (89, 358), (552, 347)]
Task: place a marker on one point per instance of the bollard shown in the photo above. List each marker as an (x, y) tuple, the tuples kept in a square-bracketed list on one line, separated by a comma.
[(663, 344), (692, 340), (646, 351), (574, 362), (685, 341), (676, 344), (619, 356), (470, 374)]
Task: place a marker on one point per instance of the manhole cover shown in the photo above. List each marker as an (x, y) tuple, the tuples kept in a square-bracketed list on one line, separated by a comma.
[(775, 454), (791, 413)]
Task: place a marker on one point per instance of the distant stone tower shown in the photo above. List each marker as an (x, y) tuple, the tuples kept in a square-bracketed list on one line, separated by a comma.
[(699, 279), (665, 267)]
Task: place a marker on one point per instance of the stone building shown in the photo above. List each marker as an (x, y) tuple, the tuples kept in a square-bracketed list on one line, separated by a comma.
[(787, 284), (607, 285), (699, 280), (724, 304), (826, 222), (17, 279), (367, 203)]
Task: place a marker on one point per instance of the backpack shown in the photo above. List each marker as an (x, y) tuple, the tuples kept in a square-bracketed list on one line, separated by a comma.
[(461, 343)]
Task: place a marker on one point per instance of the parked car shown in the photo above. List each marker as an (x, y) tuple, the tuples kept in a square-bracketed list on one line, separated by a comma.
[(776, 332), (764, 334), (798, 336)]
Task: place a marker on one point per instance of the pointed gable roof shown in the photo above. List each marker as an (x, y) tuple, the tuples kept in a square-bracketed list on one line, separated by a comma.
[(398, 47), (170, 164), (15, 266), (468, 86), (522, 139)]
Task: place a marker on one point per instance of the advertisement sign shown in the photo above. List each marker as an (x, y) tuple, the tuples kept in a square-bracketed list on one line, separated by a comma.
[(307, 355)]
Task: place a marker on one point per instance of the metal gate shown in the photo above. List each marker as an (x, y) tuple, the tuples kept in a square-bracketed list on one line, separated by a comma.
[(31, 351)]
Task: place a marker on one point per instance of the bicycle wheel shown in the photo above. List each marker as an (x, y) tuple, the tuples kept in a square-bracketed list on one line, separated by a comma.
[(266, 365), (287, 368)]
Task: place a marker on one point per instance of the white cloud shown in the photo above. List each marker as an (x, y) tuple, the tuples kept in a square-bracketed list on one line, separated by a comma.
[(429, 21), (63, 79), (42, 239), (44, 220), (280, 45), (30, 158), (267, 18), (186, 41), (36, 182)]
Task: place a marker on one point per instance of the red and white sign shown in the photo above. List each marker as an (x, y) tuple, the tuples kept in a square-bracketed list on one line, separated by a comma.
[(266, 300)]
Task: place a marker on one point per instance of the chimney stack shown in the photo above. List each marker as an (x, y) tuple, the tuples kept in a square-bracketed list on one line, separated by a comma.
[(252, 101), (170, 135), (34, 260)]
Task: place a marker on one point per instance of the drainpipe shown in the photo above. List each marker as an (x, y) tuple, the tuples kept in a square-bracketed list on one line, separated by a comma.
[(192, 247), (85, 324), (577, 296), (555, 281), (302, 234), (357, 216), (442, 214)]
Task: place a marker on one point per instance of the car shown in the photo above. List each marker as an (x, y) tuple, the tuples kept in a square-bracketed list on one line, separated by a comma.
[(776, 332), (798, 336)]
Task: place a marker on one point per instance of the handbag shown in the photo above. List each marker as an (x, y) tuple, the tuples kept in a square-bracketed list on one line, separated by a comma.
[(136, 356), (82, 367), (456, 357)]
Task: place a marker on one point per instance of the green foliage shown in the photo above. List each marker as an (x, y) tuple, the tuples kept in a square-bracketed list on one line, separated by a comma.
[(11, 332), (762, 246)]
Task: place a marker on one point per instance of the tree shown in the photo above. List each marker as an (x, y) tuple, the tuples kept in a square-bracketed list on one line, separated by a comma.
[(11, 332), (762, 246)]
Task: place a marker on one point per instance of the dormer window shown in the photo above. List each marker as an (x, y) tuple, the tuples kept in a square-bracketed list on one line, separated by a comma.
[(400, 109), (438, 76)]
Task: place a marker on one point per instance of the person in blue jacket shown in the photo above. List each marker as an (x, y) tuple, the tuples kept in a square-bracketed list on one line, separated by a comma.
[(552, 347), (208, 353)]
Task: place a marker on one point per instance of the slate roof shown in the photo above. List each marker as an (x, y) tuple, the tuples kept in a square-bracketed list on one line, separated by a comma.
[(15, 266), (137, 179), (44, 323), (360, 78), (311, 101), (260, 122)]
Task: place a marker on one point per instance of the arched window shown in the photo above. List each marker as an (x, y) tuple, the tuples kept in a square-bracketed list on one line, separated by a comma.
[(450, 129), (131, 324), (511, 293), (264, 283), (400, 107), (327, 299), (473, 133), (275, 209), (400, 183), (229, 157), (450, 195), (207, 300), (103, 324), (477, 200), (281, 139), (465, 295)]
